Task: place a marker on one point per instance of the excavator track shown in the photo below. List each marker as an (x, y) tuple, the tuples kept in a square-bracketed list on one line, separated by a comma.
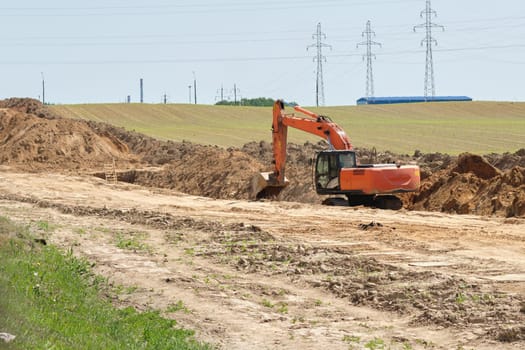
[(388, 202), (381, 202)]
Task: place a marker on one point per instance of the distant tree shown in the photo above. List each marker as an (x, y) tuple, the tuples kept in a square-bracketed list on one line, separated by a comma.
[(256, 102), (225, 103)]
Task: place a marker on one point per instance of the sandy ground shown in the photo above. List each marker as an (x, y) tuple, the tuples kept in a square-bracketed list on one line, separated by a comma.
[(281, 275)]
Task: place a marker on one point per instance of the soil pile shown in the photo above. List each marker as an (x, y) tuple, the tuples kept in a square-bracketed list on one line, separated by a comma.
[(507, 161), (27, 105), (205, 171), (150, 151), (32, 139), (472, 185)]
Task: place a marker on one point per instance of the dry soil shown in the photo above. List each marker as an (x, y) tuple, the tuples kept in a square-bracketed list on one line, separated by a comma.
[(179, 233)]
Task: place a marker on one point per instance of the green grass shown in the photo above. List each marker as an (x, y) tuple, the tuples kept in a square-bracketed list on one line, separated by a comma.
[(178, 306), (133, 242), (44, 226), (282, 308), (455, 127), (375, 344), (267, 303), (51, 300)]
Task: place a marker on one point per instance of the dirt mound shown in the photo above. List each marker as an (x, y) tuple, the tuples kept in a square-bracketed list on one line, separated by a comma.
[(27, 105), (205, 171), (32, 139), (473, 186), (150, 151), (477, 165), (40, 141), (507, 161)]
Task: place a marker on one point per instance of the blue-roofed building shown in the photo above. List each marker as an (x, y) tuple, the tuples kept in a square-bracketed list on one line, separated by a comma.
[(410, 99)]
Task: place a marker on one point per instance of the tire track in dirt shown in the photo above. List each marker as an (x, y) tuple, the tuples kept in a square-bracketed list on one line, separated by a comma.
[(324, 252), (224, 306)]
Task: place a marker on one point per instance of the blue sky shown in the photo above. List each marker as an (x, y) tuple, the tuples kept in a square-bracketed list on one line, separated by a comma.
[(96, 51)]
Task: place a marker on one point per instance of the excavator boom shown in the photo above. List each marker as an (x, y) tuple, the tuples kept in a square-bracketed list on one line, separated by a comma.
[(269, 184)]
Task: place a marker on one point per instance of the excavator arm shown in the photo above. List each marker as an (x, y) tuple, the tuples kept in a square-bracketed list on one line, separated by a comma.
[(311, 123)]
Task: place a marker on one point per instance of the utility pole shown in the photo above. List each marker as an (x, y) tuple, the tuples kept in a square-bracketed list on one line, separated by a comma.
[(369, 34), (220, 94), (235, 91), (319, 58), (428, 13), (189, 89), (141, 90), (43, 89), (195, 88)]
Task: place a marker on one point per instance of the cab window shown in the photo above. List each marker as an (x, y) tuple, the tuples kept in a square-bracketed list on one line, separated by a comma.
[(347, 160)]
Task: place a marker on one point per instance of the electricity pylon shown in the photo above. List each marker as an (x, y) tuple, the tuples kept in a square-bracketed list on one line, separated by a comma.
[(430, 88), (369, 34), (319, 58)]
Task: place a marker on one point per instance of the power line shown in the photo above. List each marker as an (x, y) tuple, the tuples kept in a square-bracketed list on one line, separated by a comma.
[(103, 40), (319, 58), (76, 43), (501, 22), (248, 59), (180, 9), (429, 40), (249, 34), (368, 34), (205, 4)]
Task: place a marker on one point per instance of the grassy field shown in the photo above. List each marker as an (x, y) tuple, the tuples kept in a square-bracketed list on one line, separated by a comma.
[(478, 127), (51, 300)]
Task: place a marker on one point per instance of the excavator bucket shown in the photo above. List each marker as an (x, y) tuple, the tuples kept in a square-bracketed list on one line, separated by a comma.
[(265, 186)]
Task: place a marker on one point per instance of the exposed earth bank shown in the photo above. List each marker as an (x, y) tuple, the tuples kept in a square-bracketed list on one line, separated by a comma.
[(32, 139)]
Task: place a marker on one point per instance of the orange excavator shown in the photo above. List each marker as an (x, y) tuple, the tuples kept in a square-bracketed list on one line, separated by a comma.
[(336, 170)]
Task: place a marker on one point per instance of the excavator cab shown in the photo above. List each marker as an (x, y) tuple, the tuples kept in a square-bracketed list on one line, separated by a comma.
[(328, 167)]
